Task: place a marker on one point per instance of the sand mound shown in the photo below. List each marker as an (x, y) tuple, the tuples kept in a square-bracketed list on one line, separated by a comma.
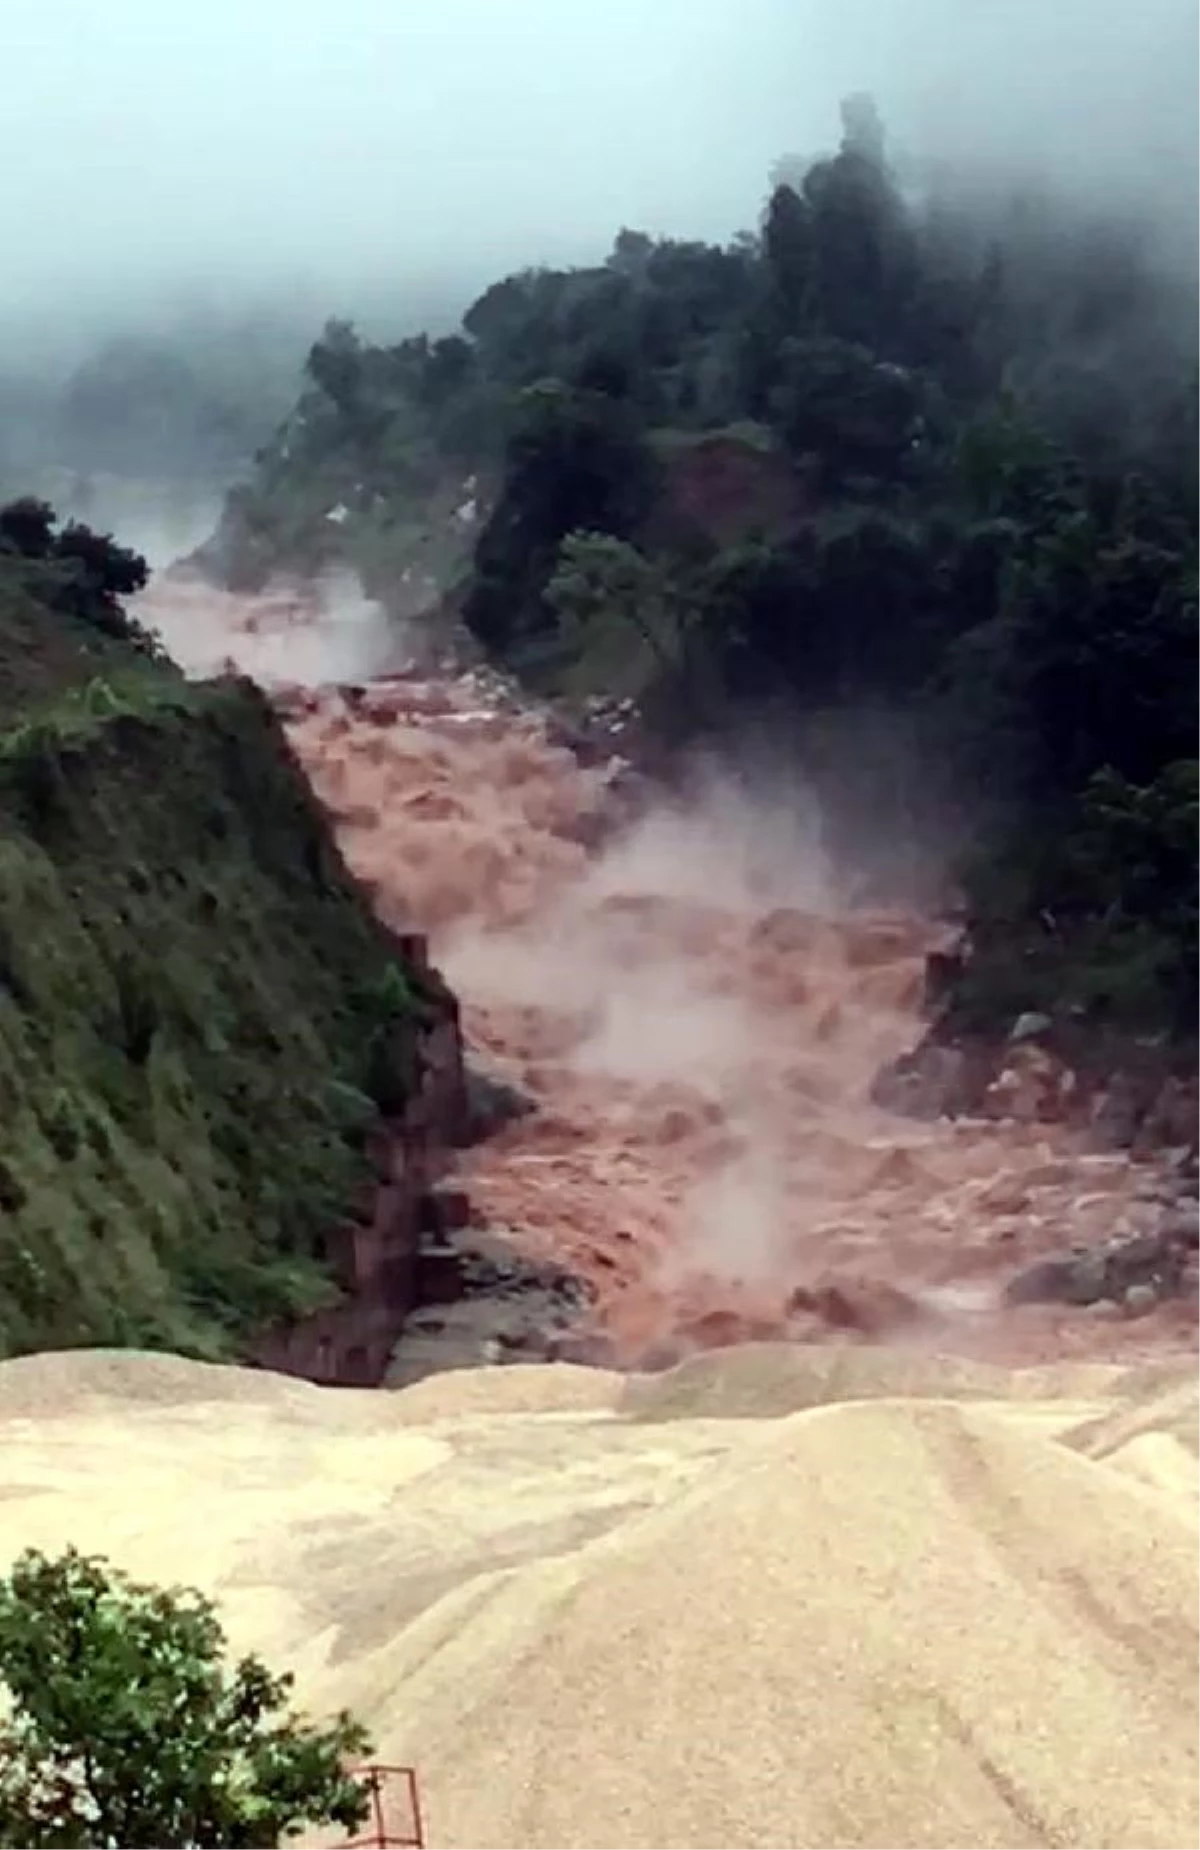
[(59, 1383), (764, 1380), (560, 1388), (938, 1658), (771, 1598)]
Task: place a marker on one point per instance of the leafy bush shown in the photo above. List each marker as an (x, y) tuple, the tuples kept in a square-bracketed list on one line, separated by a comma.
[(125, 1725), (87, 573)]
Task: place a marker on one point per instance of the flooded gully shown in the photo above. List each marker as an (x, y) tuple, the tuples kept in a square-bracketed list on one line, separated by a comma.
[(698, 1020)]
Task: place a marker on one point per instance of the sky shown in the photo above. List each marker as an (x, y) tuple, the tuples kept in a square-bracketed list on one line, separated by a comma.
[(352, 149)]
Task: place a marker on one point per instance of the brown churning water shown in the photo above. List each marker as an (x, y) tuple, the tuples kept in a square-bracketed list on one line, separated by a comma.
[(697, 1009)]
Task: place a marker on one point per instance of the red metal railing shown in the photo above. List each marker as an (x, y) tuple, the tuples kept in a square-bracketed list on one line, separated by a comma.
[(395, 1817)]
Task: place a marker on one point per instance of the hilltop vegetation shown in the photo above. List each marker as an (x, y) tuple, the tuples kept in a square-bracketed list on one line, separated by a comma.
[(200, 1022), (928, 463)]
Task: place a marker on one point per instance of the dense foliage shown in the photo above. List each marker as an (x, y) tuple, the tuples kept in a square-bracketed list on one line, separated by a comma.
[(123, 1724), (75, 571), (930, 456)]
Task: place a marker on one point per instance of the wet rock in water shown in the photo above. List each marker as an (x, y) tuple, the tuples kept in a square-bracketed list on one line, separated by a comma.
[(712, 1329), (943, 970), (1171, 1118), (489, 1270), (491, 1103), (1033, 1087), (1072, 1278), (1029, 1026), (1181, 1225), (1144, 1259), (925, 1084), (1006, 1194), (480, 1302), (1139, 1263), (856, 1307), (1114, 1115)]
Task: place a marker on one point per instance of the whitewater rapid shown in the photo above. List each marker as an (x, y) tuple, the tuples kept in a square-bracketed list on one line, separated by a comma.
[(697, 1010)]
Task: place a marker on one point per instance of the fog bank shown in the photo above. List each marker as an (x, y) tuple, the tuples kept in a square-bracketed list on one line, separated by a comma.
[(380, 158)]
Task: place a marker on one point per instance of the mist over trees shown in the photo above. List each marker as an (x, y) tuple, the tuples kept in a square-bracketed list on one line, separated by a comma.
[(903, 448), (179, 398)]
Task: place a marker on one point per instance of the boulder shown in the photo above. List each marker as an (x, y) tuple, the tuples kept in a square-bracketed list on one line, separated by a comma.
[(1032, 1087), (1181, 1225), (943, 970), (926, 1084), (856, 1306), (1071, 1278), (1171, 1118), (1114, 1115), (1138, 1262), (491, 1103)]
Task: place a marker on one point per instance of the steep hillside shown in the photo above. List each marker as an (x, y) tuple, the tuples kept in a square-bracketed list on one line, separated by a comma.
[(201, 1025), (44, 649)]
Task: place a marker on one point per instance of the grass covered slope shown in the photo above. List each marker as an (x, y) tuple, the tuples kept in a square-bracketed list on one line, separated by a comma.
[(200, 1021), (44, 651)]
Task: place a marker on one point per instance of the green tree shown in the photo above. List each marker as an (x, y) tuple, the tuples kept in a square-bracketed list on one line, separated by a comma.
[(27, 528), (860, 418), (335, 366), (75, 570), (576, 460), (788, 249), (643, 623), (125, 1727), (598, 577), (866, 254)]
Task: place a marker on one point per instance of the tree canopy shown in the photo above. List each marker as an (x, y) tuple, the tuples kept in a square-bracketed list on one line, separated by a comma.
[(125, 1727), (974, 498)]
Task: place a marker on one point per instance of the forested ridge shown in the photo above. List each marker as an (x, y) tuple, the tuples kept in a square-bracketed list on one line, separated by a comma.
[(925, 456)]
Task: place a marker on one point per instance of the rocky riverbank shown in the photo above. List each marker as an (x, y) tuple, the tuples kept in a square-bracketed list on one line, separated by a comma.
[(1122, 1102)]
